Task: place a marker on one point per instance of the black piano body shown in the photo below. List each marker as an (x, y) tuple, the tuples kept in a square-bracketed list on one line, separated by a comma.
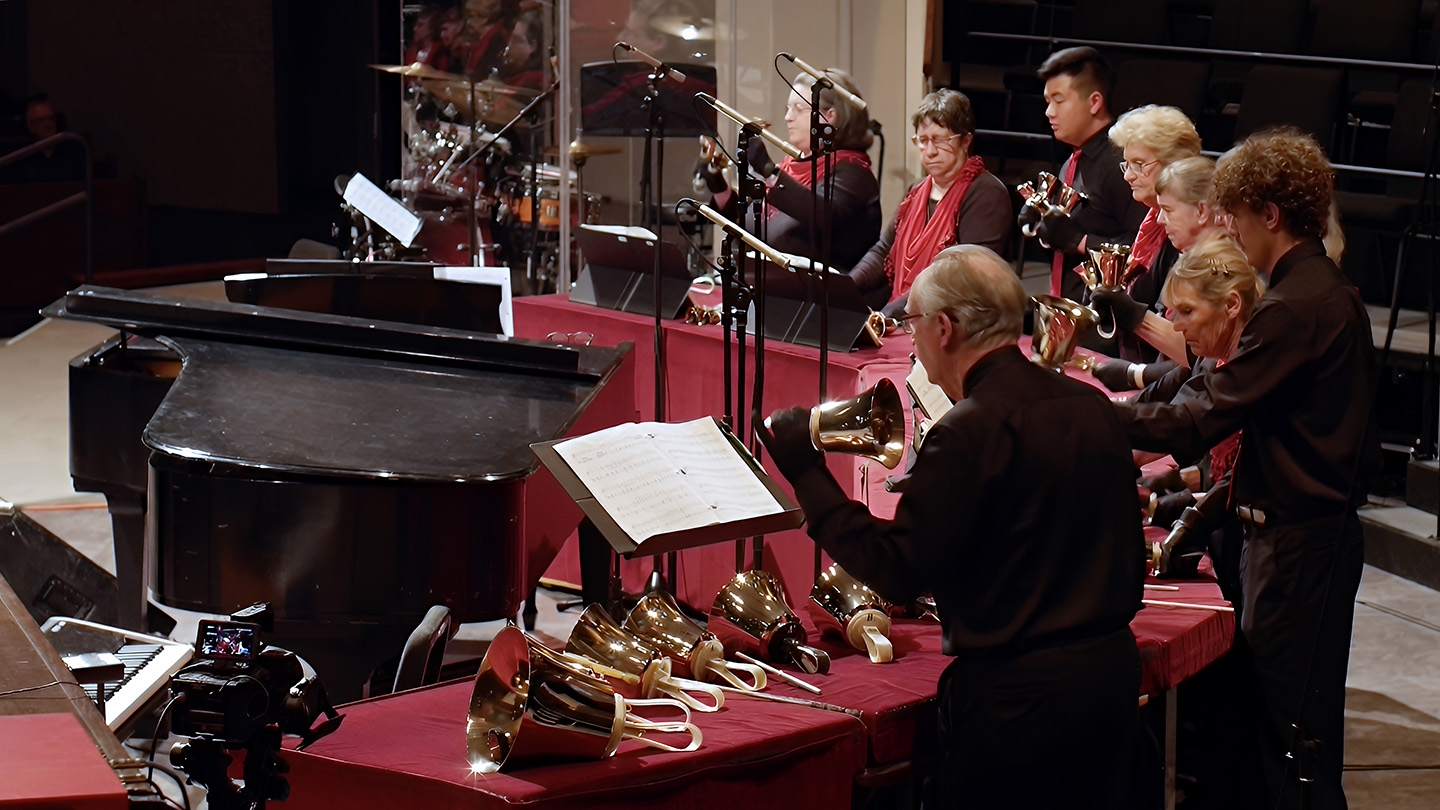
[(350, 472)]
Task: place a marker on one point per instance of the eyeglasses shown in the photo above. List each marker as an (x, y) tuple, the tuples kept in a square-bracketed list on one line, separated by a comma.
[(907, 322), (1137, 166), (942, 143)]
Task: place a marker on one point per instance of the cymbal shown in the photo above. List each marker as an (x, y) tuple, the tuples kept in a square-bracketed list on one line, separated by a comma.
[(419, 70), (581, 150), (495, 102), (690, 29)]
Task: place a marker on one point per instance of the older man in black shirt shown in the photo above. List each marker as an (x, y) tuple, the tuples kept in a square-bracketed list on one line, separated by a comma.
[(1076, 85), (1020, 518), (1298, 387)]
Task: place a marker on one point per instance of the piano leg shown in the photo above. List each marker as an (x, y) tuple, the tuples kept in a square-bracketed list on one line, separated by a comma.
[(528, 614), (127, 527)]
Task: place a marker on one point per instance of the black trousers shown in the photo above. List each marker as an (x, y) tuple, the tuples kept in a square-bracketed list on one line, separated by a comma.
[(1299, 583), (1044, 728)]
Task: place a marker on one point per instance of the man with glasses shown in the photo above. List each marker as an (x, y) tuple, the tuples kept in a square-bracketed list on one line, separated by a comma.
[(1020, 518), (958, 203), (1077, 81)]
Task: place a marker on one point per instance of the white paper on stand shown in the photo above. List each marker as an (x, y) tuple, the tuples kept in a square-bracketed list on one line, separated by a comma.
[(382, 209)]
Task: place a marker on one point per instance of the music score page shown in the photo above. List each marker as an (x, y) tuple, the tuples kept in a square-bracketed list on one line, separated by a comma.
[(654, 478)]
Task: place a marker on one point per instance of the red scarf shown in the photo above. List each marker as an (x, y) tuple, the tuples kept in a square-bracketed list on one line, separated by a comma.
[(917, 240), (1147, 246), (799, 170), (1224, 455)]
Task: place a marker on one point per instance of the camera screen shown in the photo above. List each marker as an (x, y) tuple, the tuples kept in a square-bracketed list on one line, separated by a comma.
[(227, 641)]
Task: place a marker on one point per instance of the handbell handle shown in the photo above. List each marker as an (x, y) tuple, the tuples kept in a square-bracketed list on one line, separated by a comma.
[(681, 688), (810, 660), (879, 648), (678, 728)]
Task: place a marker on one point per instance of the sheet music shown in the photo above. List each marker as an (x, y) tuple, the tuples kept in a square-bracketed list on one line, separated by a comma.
[(654, 477), (382, 209), (934, 402), (627, 231)]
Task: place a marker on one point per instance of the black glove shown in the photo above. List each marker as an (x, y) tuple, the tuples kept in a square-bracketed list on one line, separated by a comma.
[(1169, 507), (1029, 215), (1114, 374), (1168, 481), (712, 179), (1181, 552), (1061, 232), (759, 159), (1128, 312), (788, 440)]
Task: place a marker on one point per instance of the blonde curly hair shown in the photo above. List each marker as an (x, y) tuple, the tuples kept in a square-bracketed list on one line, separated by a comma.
[(1163, 130), (1284, 166), (1215, 268)]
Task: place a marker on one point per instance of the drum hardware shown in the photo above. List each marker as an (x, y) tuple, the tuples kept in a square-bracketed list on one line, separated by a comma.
[(856, 612), (1060, 322), (530, 703), (871, 424), (582, 150), (753, 603), (1107, 269)]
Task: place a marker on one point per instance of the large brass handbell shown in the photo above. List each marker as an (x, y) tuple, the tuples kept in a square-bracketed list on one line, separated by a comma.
[(753, 610), (532, 704), (854, 611), (598, 637), (658, 619), (871, 424), (1106, 270), (1058, 325)]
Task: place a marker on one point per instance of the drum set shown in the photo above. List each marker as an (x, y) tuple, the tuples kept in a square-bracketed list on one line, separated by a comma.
[(467, 160)]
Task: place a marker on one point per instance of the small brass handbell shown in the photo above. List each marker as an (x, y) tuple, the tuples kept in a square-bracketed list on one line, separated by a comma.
[(853, 610), (531, 704), (871, 424), (1059, 323), (695, 651), (753, 603), (598, 637), (1106, 270)]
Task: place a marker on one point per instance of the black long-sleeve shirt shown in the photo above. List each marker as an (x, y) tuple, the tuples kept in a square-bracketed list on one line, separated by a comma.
[(1299, 384), (854, 215), (1022, 524)]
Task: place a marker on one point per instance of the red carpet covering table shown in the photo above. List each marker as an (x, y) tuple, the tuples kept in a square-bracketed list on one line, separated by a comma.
[(408, 750)]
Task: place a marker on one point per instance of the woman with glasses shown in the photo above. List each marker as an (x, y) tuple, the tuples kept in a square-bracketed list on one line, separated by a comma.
[(789, 200), (957, 203), (1150, 138)]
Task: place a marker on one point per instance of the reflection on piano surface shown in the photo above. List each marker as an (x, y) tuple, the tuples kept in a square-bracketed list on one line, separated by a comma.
[(350, 472), (149, 662)]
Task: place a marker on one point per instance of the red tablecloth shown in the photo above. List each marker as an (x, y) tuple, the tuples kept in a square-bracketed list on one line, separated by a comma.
[(408, 750)]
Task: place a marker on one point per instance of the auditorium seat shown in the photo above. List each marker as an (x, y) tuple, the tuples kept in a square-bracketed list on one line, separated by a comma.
[(1172, 82), (1304, 97)]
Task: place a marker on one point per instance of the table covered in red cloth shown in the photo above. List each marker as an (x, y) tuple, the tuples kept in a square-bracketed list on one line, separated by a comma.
[(408, 750)]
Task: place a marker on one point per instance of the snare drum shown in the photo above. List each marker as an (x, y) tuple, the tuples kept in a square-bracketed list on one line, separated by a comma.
[(547, 212)]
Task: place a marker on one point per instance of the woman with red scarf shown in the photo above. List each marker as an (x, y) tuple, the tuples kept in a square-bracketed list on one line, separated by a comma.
[(957, 203), (789, 200)]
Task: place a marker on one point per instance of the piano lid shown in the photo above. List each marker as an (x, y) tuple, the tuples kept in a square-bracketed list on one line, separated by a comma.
[(298, 394)]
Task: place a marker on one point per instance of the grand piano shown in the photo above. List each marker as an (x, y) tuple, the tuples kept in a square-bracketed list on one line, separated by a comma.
[(350, 472)]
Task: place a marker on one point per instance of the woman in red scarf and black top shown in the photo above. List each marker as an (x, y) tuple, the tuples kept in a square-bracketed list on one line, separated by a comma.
[(789, 202), (957, 203)]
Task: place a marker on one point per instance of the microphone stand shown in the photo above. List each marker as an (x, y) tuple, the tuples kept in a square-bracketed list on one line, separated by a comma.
[(822, 142), (751, 192)]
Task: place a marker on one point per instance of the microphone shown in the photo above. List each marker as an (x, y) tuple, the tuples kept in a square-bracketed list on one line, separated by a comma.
[(825, 81), (746, 121), (716, 217), (652, 61)]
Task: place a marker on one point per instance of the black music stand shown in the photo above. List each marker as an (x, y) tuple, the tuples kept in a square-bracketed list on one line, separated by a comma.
[(612, 100), (794, 308), (618, 273)]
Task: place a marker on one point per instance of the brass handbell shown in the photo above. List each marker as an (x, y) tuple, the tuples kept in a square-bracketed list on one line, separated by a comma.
[(1059, 322), (600, 638), (871, 424), (1106, 270), (532, 704), (855, 611), (754, 604), (657, 618)]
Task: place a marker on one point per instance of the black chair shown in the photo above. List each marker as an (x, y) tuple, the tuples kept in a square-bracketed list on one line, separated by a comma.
[(1303, 97), (424, 651), (1382, 30), (1144, 21), (1169, 82), (1271, 26)]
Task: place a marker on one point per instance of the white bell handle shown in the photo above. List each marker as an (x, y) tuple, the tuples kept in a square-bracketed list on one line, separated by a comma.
[(680, 689), (669, 703), (707, 661), (877, 645)]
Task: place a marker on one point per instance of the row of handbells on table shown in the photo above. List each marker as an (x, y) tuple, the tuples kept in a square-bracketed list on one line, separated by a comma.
[(532, 704)]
